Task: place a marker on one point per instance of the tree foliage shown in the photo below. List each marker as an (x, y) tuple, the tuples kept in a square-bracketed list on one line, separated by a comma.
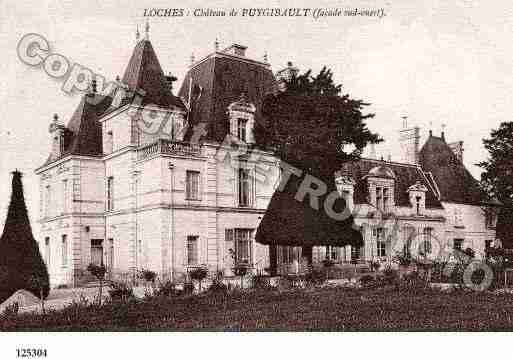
[(20, 260), (312, 126), (497, 178)]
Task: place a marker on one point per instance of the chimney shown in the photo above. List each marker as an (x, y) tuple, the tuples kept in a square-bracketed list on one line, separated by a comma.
[(457, 149), (57, 132), (237, 50), (286, 74), (409, 139)]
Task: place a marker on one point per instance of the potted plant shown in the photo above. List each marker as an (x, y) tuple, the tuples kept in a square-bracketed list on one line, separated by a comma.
[(240, 270), (198, 274)]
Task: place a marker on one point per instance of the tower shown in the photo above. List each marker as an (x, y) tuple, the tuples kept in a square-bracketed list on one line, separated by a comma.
[(409, 139)]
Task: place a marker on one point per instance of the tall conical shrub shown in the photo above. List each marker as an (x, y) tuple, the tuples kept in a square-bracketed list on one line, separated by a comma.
[(21, 265)]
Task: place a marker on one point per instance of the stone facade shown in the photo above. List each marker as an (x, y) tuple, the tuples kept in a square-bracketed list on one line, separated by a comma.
[(155, 198)]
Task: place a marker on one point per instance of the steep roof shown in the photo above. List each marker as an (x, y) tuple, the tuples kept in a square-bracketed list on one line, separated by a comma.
[(405, 176), (454, 181), (145, 73), (219, 80), (83, 133)]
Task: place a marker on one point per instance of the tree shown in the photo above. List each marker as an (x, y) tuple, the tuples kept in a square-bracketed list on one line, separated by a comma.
[(19, 252), (98, 271), (497, 178), (314, 128)]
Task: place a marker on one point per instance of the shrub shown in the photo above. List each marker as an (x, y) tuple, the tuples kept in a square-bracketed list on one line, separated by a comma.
[(188, 288), (98, 271), (121, 291), (390, 276), (20, 258), (198, 274), (367, 280), (148, 275), (167, 289), (261, 282), (11, 310), (218, 287), (315, 276), (240, 270)]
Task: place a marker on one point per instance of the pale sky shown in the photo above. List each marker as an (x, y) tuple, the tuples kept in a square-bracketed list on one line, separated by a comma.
[(435, 62)]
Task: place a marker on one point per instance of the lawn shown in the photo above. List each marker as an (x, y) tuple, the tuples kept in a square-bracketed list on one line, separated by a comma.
[(328, 309)]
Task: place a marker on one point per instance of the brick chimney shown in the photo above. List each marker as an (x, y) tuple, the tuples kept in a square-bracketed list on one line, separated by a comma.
[(285, 75), (56, 130), (409, 138), (237, 50), (457, 149)]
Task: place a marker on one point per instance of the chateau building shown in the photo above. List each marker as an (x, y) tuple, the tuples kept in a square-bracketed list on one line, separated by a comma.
[(142, 179)]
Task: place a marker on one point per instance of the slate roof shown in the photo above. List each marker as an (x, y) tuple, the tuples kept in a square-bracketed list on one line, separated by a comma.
[(218, 81), (454, 181), (83, 133), (145, 73), (405, 176)]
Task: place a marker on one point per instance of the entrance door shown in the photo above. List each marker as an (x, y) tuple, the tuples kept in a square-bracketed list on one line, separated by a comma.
[(97, 251)]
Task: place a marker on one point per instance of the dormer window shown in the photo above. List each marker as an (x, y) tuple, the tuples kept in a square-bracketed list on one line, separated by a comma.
[(241, 129), (345, 186), (242, 118), (417, 193), (381, 181)]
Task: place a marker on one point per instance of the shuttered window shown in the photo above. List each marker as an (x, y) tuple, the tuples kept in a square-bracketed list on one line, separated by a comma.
[(192, 185)]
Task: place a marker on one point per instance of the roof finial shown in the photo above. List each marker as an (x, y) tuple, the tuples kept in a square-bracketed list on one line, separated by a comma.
[(137, 34), (93, 86), (265, 57), (405, 121), (192, 58), (443, 131), (55, 117), (216, 45), (147, 30)]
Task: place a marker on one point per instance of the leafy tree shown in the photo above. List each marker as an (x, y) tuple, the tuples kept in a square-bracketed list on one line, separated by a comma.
[(316, 129), (497, 178), (312, 126), (20, 258)]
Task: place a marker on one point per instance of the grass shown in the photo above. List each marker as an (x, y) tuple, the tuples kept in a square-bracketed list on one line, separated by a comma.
[(329, 309)]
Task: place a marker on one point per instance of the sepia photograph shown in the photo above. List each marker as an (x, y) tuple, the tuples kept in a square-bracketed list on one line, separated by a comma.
[(270, 167)]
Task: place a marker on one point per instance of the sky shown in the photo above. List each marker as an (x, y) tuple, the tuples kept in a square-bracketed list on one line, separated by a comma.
[(437, 62)]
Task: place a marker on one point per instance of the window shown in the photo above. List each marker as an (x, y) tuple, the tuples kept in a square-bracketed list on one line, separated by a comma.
[(417, 205), (381, 245), (243, 246), (490, 218), (192, 250), (332, 253), (65, 196), (458, 218), (245, 190), (355, 253), (110, 142), (383, 199), (110, 194), (241, 129), (488, 246), (64, 250), (379, 198), (386, 200), (458, 244), (287, 254), (47, 251), (192, 185), (48, 201)]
